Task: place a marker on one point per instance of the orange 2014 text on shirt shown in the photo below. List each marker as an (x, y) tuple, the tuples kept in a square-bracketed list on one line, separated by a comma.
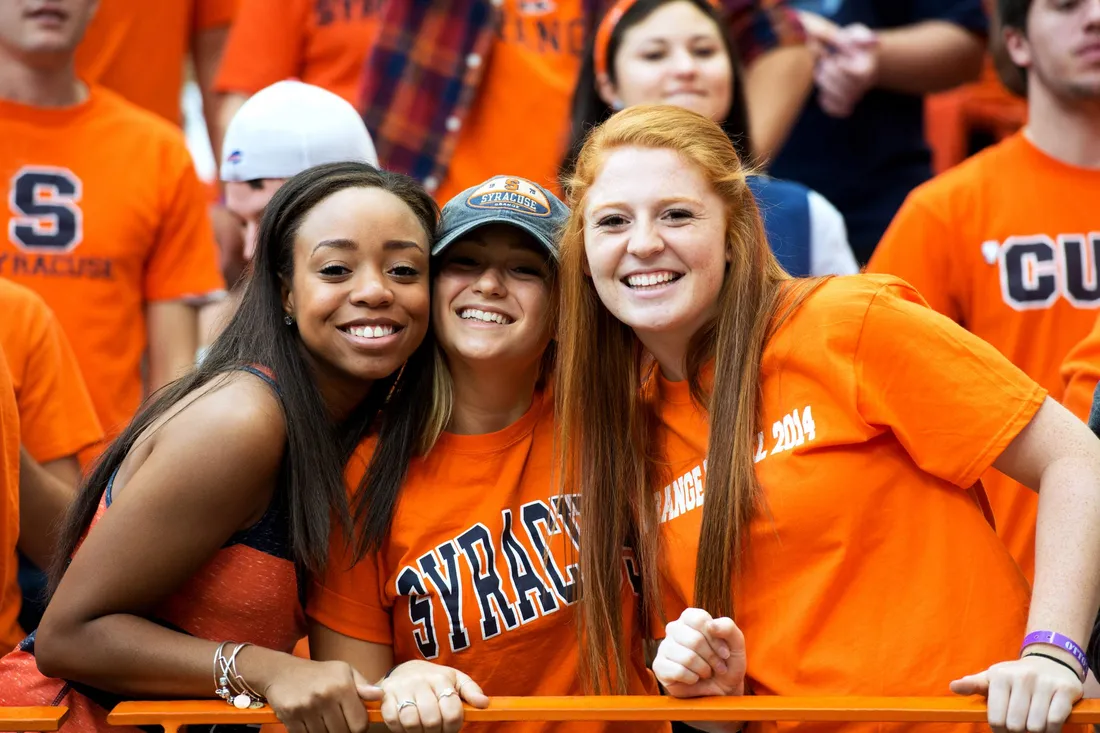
[(873, 569)]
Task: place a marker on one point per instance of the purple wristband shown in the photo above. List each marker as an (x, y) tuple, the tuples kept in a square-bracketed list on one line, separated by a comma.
[(1053, 638)]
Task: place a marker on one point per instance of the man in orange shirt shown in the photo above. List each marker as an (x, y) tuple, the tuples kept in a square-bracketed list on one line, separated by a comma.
[(1006, 243), (139, 49), (106, 218), (320, 42), (10, 633), (57, 420)]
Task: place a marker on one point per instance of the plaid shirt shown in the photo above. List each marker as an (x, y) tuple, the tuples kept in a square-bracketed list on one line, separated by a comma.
[(422, 74)]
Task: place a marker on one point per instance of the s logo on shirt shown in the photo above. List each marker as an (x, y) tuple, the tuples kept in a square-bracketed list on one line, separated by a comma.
[(43, 200), (1036, 270)]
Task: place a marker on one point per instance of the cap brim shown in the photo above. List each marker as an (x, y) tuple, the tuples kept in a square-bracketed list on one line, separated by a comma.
[(450, 237)]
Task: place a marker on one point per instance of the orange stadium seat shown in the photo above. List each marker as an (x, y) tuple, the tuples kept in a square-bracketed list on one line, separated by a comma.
[(44, 718)]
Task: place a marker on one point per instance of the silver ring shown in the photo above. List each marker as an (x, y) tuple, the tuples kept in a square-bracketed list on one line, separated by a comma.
[(405, 704), (447, 693)]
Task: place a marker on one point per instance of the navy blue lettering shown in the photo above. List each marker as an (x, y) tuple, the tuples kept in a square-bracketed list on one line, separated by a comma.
[(524, 578), (541, 525), (409, 583), (448, 586), (45, 201), (1082, 281), (487, 584)]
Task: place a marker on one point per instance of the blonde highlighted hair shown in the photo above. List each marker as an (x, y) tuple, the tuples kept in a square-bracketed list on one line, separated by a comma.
[(608, 431)]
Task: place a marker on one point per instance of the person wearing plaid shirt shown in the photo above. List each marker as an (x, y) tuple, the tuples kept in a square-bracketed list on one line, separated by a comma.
[(454, 91)]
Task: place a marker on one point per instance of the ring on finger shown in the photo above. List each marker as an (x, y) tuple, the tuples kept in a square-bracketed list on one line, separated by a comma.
[(458, 686), (405, 704), (447, 693)]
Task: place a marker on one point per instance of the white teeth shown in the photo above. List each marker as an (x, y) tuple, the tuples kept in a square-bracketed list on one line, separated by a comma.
[(650, 278), (474, 314), (371, 332)]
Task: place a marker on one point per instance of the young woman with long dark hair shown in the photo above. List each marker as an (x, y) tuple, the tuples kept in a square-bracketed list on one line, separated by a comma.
[(186, 555)]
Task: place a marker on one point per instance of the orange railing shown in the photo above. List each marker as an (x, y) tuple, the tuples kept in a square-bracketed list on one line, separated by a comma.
[(171, 715), (32, 719)]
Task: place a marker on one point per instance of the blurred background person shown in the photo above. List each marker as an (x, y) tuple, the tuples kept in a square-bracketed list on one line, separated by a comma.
[(1005, 243), (860, 139), (679, 52), (107, 221), (450, 90)]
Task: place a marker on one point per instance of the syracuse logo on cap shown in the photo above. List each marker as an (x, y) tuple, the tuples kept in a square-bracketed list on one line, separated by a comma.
[(513, 194)]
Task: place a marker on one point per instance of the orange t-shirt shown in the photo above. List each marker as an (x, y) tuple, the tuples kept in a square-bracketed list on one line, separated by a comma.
[(320, 42), (482, 579), (10, 596), (520, 120), (138, 49), (56, 415), (105, 213), (1081, 374), (873, 569), (1006, 245)]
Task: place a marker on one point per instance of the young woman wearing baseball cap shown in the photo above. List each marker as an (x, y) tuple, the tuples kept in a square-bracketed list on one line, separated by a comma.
[(802, 457), (466, 574)]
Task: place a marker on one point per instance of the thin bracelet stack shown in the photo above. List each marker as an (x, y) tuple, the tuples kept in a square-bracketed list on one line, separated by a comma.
[(228, 683)]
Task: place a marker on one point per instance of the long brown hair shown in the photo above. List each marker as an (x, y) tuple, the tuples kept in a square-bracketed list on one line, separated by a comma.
[(607, 428)]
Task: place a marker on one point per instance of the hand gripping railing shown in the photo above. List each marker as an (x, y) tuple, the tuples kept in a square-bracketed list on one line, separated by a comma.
[(43, 718), (171, 715)]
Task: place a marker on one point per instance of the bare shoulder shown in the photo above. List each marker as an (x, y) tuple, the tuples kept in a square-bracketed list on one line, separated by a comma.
[(235, 415)]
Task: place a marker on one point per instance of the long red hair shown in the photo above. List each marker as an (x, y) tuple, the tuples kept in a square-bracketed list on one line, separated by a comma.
[(607, 428)]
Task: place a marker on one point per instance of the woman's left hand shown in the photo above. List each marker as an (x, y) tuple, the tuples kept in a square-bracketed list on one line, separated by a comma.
[(1032, 694)]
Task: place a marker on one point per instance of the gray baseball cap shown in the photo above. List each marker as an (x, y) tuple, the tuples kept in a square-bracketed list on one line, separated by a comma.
[(504, 200)]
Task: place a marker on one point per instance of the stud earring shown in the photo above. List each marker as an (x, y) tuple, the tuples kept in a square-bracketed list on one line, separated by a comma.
[(288, 320), (618, 105)]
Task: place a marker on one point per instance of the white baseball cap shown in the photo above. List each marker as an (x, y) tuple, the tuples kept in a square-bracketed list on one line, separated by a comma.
[(288, 127)]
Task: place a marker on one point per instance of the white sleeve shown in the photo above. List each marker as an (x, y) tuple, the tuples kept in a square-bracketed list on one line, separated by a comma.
[(830, 253)]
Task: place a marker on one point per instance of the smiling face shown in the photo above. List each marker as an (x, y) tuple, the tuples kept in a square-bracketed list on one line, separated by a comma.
[(1061, 49), (359, 292), (491, 299), (676, 56), (655, 243)]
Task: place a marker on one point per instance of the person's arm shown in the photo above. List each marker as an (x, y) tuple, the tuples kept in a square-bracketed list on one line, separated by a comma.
[(830, 253), (173, 335), (206, 52), (437, 690), (777, 85), (45, 492), (928, 57), (165, 523), (921, 58), (1058, 456)]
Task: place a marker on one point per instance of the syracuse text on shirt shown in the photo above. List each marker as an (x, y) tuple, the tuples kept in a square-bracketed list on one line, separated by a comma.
[(538, 582)]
